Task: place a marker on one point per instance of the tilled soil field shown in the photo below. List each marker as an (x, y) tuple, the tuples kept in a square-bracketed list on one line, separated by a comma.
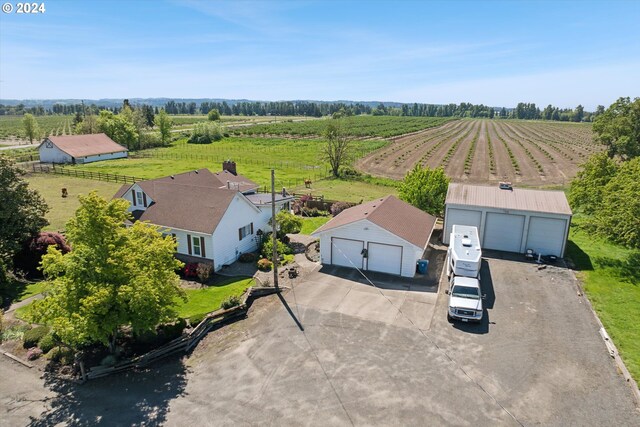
[(485, 151)]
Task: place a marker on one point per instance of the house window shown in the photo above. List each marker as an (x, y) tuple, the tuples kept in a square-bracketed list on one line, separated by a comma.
[(197, 250), (139, 198), (245, 231)]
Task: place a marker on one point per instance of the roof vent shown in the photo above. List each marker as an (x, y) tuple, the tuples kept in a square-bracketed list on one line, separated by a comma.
[(505, 185)]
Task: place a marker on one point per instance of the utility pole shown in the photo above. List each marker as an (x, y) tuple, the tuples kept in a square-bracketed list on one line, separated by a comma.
[(274, 226)]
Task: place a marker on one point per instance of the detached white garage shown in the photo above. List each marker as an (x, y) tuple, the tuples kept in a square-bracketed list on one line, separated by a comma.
[(511, 220), (386, 235)]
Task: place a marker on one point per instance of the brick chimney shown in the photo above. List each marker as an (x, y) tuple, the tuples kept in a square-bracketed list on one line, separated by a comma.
[(229, 166)]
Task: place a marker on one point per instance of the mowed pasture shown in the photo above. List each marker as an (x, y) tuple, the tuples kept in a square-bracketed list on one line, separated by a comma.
[(481, 151)]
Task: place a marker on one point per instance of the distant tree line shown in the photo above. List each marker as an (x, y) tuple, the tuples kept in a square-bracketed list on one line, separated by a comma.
[(525, 111)]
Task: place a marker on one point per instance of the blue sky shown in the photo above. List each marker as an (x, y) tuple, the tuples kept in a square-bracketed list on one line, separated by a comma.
[(497, 53)]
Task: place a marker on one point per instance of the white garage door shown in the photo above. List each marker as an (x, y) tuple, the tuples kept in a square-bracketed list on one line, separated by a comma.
[(462, 217), (347, 253), (546, 235), (503, 232), (384, 258)]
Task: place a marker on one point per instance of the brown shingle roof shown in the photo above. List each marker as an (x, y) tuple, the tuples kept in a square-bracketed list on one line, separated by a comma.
[(86, 145), (515, 199), (390, 213), (194, 201)]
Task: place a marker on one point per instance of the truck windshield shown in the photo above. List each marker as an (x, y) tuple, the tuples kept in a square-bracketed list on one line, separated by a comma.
[(465, 292)]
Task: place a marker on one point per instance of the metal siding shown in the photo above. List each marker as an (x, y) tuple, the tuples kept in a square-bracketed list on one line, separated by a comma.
[(546, 235), (455, 216), (503, 232)]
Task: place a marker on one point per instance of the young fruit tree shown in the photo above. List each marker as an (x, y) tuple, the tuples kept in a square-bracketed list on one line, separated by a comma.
[(425, 189), (114, 276)]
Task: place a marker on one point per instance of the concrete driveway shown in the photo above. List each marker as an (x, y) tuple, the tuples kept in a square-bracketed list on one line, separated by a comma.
[(332, 352)]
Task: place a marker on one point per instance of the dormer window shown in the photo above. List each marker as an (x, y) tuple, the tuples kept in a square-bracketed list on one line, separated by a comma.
[(139, 198)]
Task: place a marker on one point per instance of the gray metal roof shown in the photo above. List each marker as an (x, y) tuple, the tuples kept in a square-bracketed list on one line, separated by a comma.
[(521, 199)]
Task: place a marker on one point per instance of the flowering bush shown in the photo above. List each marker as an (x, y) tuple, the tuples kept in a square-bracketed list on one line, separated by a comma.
[(204, 271), (190, 270), (338, 207)]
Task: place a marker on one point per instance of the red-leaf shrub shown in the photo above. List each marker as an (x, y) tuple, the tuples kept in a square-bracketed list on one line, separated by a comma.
[(28, 259), (190, 270)]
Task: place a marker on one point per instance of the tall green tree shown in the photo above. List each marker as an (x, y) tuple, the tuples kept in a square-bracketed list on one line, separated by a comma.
[(578, 113), (164, 124), (213, 115), (619, 128), (425, 189), (115, 276), (587, 188), (31, 128), (120, 128), (338, 149), (618, 218), (22, 212)]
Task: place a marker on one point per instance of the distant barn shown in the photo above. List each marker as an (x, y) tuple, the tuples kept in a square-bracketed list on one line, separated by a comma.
[(80, 149)]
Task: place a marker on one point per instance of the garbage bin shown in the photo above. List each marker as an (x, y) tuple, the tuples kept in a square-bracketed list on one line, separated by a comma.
[(422, 266)]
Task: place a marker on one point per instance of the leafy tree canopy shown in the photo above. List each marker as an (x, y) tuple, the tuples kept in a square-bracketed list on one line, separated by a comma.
[(338, 148), (619, 128), (164, 124), (288, 223), (213, 114), (115, 276), (31, 128), (619, 215), (425, 189), (588, 186)]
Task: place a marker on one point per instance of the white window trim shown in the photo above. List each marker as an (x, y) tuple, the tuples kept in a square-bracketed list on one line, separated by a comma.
[(195, 246), (139, 198)]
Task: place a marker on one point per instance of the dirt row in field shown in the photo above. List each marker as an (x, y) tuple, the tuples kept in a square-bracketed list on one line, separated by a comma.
[(487, 151)]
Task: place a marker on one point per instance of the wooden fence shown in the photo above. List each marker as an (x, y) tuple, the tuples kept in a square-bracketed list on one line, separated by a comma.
[(78, 173), (187, 341)]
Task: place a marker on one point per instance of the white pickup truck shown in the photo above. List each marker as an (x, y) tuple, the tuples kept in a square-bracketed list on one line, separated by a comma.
[(465, 299)]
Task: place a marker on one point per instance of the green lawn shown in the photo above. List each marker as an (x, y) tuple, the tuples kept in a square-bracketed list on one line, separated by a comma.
[(200, 301), (62, 209), (309, 225), (293, 159), (347, 190), (31, 290), (611, 278)]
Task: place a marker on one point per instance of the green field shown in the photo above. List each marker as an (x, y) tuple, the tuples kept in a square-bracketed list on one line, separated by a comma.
[(294, 160), (358, 126), (62, 209), (11, 126), (309, 225), (611, 278)]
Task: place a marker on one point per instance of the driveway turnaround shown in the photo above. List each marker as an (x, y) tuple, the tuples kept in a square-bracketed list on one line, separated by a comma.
[(336, 351)]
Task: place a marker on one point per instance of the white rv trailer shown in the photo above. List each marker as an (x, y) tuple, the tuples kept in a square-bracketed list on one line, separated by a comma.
[(464, 256)]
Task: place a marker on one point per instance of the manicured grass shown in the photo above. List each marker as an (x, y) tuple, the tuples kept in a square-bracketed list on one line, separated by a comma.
[(347, 190), (31, 290), (611, 278), (62, 209), (309, 225), (200, 301), (21, 312)]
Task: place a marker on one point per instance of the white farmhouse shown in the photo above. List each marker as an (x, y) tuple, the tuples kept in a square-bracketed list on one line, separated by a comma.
[(80, 149), (214, 217)]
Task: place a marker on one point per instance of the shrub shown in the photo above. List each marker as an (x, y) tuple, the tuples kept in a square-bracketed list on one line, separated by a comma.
[(267, 248), (230, 301), (31, 337), (287, 259), (205, 133), (15, 332), (46, 343), (34, 353), (28, 259), (338, 207), (247, 257), (288, 223), (264, 264), (170, 331), (204, 271), (61, 355), (190, 270)]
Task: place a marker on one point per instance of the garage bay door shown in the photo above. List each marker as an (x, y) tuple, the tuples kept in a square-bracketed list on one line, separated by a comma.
[(462, 217), (546, 235), (346, 252), (503, 232), (384, 258)]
